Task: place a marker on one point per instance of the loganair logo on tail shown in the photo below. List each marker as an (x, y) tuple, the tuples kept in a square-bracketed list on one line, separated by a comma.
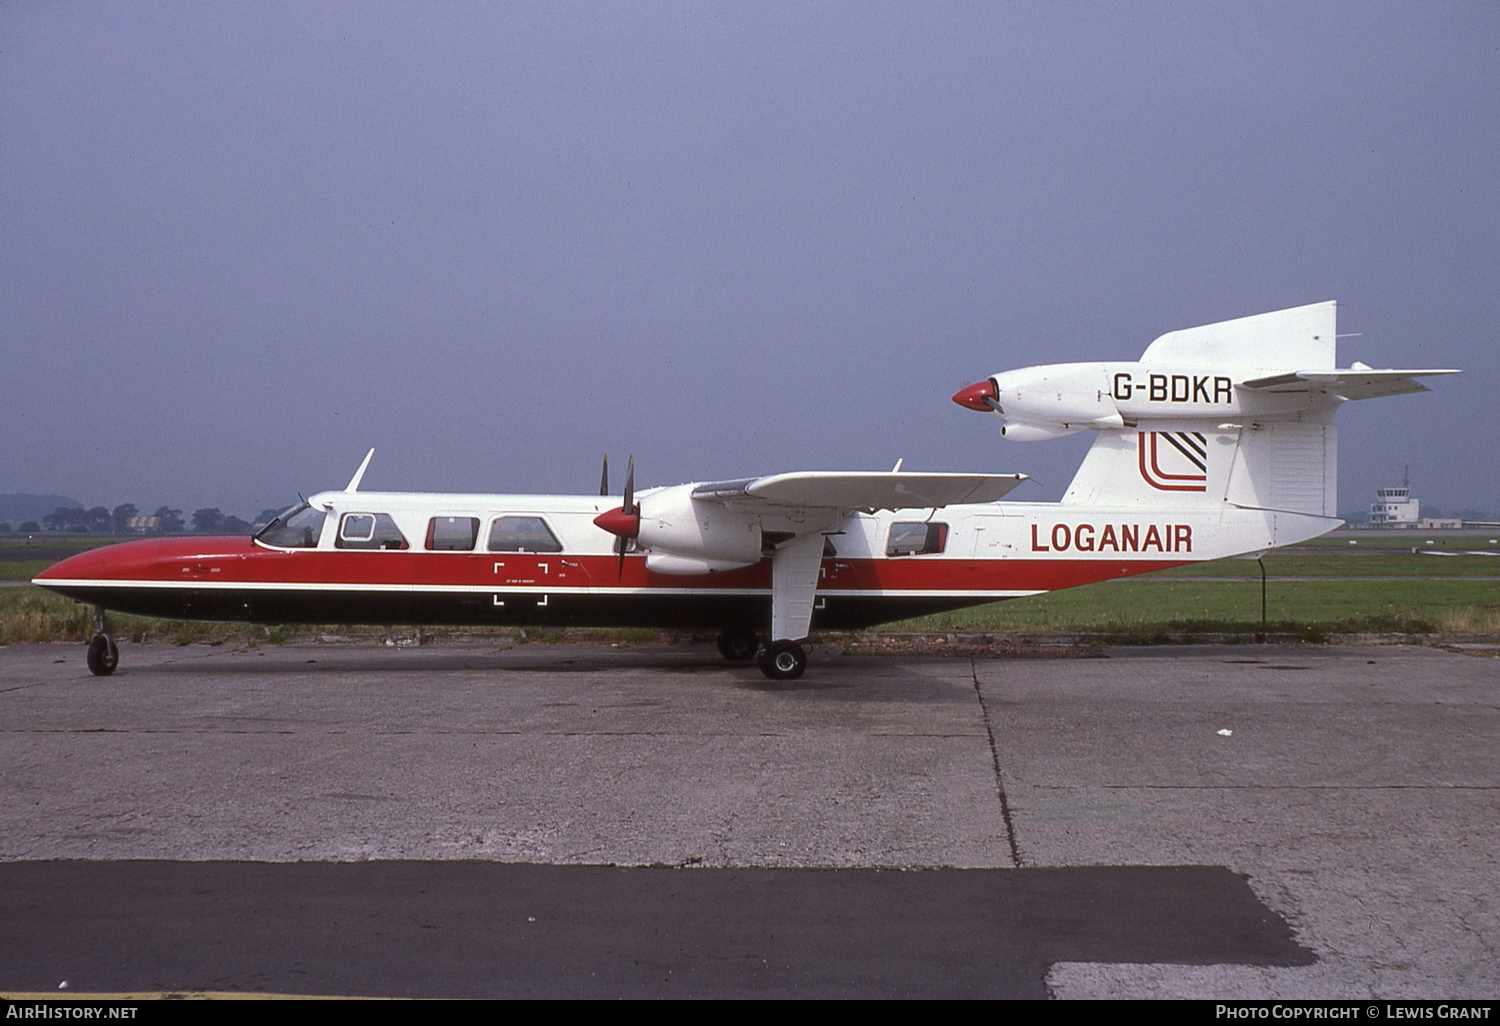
[(1174, 461)]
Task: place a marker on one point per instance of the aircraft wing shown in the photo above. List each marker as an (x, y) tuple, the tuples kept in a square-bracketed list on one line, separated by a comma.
[(866, 490), (1352, 383)]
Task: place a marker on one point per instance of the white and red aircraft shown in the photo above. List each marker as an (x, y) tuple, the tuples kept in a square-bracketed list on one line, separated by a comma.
[(1218, 442)]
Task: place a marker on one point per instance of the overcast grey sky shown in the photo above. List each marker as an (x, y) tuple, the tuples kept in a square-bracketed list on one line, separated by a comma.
[(244, 242)]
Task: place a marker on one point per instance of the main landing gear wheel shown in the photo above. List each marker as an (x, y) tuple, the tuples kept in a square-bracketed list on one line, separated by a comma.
[(783, 660), (738, 646), (104, 655)]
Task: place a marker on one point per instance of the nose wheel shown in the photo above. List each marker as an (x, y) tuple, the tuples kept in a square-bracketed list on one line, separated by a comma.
[(103, 655), (783, 660)]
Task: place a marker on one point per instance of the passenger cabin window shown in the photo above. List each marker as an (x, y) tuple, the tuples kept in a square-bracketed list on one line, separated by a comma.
[(452, 534), (297, 528), (522, 534), (915, 539), (369, 531)]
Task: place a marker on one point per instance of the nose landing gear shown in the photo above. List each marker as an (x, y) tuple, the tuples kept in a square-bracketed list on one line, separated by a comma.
[(104, 654)]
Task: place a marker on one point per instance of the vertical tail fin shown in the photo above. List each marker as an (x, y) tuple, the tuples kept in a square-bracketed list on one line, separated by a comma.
[(1235, 414), (1289, 467), (1287, 461)]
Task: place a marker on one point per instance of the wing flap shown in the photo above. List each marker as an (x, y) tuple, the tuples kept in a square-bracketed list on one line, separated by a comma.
[(860, 490), (1354, 383)]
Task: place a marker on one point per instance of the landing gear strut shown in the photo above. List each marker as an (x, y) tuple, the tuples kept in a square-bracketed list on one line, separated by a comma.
[(738, 644), (783, 660), (104, 654)]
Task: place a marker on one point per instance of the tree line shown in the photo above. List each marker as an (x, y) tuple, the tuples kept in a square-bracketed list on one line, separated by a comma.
[(127, 518)]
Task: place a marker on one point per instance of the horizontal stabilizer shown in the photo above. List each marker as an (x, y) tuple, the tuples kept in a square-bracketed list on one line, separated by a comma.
[(860, 490), (1351, 383)]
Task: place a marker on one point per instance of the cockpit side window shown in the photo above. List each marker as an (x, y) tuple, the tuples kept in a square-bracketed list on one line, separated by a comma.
[(916, 539), (522, 534), (452, 534), (369, 531), (297, 528)]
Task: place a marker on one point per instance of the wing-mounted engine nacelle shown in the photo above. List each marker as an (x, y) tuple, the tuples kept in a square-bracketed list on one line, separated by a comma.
[(686, 566), (1035, 404), (685, 535)]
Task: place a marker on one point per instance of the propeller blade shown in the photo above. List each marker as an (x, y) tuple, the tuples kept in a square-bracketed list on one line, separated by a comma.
[(604, 477), (629, 507)]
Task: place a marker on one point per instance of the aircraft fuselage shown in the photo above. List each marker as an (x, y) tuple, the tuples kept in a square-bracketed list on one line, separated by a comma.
[(876, 567)]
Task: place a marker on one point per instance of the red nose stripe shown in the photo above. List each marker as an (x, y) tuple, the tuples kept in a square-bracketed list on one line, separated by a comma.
[(91, 564), (976, 396)]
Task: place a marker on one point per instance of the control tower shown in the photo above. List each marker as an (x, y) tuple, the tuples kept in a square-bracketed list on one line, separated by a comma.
[(1394, 507)]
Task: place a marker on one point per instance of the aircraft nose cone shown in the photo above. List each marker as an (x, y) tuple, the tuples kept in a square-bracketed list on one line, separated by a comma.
[(978, 396), (618, 522), (88, 564)]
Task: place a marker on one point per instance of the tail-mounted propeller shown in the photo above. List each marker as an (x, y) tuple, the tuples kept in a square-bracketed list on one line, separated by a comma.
[(625, 521), (981, 396)]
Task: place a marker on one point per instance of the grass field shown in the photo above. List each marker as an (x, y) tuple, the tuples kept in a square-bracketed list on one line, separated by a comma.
[(1363, 541), (1310, 608), (23, 569), (1317, 564), (62, 541)]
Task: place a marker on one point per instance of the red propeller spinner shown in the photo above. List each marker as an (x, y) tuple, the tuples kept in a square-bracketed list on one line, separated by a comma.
[(620, 522), (624, 521), (982, 396)]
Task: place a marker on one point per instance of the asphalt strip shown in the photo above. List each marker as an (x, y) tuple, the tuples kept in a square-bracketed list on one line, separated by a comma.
[(466, 929)]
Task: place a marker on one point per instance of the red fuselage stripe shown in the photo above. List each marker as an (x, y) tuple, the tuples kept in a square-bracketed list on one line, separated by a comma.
[(225, 562)]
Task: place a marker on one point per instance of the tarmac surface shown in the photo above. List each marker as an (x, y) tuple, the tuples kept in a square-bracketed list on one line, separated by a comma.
[(33, 553), (550, 820)]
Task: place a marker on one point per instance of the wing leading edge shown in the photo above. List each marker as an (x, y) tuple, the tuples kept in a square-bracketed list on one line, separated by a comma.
[(860, 490)]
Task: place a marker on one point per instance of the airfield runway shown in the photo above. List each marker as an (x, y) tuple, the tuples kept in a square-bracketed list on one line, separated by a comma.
[(467, 820)]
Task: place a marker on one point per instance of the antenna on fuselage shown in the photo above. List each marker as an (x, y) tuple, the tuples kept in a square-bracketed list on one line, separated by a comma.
[(359, 474)]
